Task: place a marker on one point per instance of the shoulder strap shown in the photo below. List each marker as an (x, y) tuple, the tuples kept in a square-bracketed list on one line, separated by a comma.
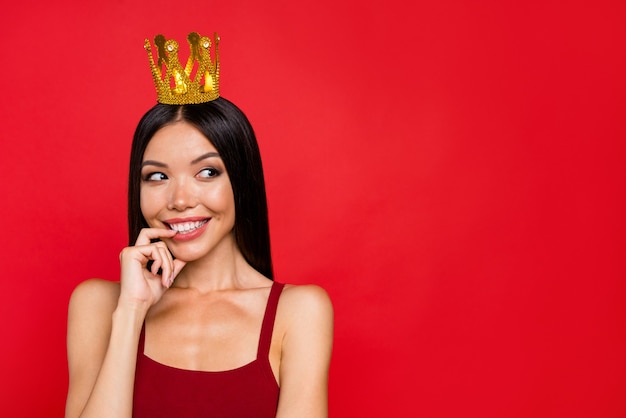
[(267, 328)]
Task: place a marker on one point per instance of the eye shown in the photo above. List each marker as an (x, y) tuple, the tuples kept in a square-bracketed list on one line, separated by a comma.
[(155, 177), (208, 173)]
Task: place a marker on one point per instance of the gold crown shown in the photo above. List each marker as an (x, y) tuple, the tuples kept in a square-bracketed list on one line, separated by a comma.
[(180, 85)]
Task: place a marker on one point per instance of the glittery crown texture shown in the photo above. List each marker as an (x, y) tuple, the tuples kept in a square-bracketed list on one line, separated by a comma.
[(192, 84)]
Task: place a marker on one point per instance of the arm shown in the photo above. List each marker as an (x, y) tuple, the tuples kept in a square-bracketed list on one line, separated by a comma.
[(102, 349), (104, 323), (306, 352)]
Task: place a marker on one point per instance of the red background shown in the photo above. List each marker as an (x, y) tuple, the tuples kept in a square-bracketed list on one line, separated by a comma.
[(450, 171)]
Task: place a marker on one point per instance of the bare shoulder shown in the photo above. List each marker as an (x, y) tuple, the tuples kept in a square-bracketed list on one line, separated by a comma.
[(89, 322), (306, 311), (94, 295), (90, 311), (305, 300)]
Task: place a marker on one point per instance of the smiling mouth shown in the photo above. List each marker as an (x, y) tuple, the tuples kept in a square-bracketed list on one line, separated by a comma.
[(187, 227)]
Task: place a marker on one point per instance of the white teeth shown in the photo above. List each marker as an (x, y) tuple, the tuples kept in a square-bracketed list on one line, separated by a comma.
[(187, 227)]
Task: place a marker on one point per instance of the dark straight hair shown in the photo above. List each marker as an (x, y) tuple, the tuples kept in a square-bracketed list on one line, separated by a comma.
[(230, 132)]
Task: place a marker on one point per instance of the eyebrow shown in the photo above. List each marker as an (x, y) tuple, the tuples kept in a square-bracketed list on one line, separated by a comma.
[(194, 161), (205, 156)]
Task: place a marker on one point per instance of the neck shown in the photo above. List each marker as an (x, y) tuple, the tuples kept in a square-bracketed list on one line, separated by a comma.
[(223, 268)]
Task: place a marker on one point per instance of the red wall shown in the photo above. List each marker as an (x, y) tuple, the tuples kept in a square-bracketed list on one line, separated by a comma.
[(453, 175)]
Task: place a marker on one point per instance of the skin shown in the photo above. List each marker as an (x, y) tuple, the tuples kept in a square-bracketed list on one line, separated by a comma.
[(208, 286)]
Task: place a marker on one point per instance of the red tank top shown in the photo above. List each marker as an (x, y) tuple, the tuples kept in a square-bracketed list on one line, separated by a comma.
[(248, 391)]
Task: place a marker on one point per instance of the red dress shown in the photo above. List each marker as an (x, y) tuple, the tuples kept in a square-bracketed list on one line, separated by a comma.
[(248, 391)]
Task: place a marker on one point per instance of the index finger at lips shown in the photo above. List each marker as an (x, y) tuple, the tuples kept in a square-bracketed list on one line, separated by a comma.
[(148, 234)]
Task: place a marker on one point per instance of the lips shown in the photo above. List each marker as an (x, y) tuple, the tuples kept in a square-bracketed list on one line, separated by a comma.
[(188, 228)]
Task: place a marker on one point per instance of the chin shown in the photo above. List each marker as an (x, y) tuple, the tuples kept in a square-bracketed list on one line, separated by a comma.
[(185, 256), (189, 254)]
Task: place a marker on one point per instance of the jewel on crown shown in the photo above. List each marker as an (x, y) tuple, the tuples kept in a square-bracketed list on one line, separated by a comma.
[(177, 85)]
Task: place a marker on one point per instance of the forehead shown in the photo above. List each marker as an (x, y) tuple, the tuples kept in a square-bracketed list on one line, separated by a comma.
[(178, 140)]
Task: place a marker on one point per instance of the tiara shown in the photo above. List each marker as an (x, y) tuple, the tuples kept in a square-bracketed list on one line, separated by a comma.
[(192, 84)]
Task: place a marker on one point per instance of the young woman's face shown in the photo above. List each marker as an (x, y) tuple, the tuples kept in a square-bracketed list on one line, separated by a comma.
[(185, 187)]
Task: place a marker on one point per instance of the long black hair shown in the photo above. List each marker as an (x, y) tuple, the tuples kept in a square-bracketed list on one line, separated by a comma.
[(230, 132)]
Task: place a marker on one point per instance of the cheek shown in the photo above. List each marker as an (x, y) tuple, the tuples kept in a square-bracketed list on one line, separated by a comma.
[(228, 200), (221, 196), (223, 200), (146, 203)]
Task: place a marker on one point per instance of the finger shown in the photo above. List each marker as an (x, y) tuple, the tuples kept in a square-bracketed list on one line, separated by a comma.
[(144, 254), (168, 259), (148, 234), (156, 255), (166, 267), (178, 266)]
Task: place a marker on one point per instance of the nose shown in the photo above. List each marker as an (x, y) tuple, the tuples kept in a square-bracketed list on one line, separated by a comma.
[(182, 195)]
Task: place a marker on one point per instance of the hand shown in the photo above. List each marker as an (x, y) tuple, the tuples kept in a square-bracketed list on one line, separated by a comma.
[(142, 287)]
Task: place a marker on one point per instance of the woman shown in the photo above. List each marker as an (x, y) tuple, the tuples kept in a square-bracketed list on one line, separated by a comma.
[(196, 326)]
